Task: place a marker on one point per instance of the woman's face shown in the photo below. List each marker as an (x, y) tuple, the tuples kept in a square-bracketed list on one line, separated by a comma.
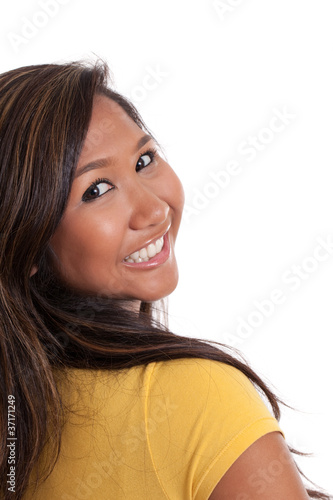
[(137, 199)]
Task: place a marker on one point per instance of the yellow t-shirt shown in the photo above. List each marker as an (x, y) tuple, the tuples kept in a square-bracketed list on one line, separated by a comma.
[(165, 430)]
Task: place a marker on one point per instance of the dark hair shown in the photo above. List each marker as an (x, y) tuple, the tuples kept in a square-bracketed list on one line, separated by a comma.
[(45, 112)]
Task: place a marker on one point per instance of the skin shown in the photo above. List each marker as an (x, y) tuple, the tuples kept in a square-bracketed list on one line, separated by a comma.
[(265, 471), (94, 237)]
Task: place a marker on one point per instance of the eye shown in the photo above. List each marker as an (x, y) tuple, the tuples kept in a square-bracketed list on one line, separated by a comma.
[(97, 189), (146, 159)]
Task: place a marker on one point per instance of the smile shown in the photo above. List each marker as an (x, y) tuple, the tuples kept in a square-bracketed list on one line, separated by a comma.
[(153, 254)]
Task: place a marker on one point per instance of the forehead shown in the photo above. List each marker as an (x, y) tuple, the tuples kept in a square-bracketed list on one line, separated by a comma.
[(105, 107), (110, 129)]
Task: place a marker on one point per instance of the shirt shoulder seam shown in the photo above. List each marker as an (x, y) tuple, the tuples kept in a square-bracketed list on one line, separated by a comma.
[(223, 451)]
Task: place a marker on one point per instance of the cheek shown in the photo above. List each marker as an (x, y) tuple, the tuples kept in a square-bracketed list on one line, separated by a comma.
[(85, 240)]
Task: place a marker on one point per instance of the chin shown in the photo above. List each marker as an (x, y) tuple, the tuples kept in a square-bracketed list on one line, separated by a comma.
[(158, 293), (154, 297)]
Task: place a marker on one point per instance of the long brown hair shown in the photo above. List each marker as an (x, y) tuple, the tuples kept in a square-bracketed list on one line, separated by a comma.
[(45, 112)]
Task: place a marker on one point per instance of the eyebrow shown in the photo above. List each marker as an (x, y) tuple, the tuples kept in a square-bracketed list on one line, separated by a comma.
[(103, 162)]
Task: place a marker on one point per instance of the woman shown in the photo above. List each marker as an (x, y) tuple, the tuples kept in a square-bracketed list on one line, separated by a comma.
[(99, 399)]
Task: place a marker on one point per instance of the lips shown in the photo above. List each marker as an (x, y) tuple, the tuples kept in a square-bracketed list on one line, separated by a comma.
[(158, 258), (146, 253), (149, 249)]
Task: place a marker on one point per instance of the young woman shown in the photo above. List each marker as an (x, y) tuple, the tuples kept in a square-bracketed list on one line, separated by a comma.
[(99, 400)]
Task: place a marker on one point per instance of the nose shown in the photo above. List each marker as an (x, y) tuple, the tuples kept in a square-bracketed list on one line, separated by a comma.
[(147, 208)]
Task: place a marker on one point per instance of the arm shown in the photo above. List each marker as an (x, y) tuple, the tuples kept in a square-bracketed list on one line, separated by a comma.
[(265, 471)]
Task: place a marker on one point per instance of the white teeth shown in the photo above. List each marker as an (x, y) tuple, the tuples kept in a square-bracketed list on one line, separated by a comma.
[(159, 244), (146, 253), (143, 253), (151, 250)]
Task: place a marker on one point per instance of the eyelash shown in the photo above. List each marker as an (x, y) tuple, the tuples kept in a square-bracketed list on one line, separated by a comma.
[(152, 153)]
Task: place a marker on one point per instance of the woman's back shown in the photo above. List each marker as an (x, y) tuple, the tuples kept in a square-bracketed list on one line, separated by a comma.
[(167, 429)]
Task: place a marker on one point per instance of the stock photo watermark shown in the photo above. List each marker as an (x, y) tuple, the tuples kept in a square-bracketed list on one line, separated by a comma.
[(248, 149), (11, 444), (153, 78), (292, 279), (265, 476), (31, 26), (223, 8), (150, 82), (86, 488)]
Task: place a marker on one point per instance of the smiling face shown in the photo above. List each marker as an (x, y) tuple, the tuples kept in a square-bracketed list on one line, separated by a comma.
[(130, 199)]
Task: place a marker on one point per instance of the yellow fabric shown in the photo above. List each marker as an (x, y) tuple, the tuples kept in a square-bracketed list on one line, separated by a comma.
[(166, 430)]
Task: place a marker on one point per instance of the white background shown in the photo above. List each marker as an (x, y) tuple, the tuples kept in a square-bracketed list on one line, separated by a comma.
[(221, 69)]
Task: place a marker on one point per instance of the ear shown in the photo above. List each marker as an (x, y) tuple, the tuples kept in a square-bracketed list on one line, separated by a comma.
[(33, 271)]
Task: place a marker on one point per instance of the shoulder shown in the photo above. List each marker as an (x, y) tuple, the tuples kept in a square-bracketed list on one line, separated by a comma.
[(223, 392), (198, 367), (203, 378), (202, 415)]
